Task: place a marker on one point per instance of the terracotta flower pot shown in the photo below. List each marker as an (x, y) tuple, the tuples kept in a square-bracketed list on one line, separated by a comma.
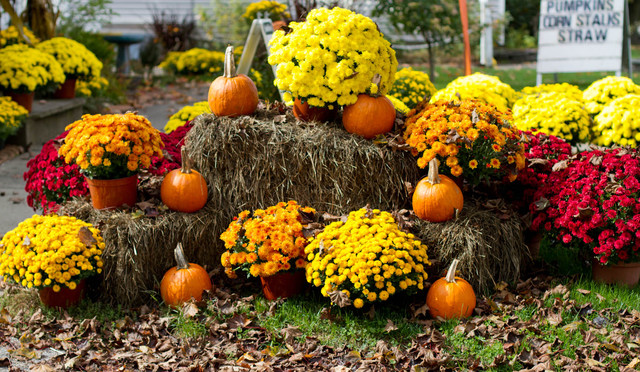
[(111, 194), (621, 273), (65, 298), (23, 99), (67, 90), (282, 284), (304, 112)]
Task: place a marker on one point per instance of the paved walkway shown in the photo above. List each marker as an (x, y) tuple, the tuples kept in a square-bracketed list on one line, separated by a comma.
[(13, 198)]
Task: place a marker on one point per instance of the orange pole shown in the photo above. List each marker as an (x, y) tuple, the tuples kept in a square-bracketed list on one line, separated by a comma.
[(465, 35)]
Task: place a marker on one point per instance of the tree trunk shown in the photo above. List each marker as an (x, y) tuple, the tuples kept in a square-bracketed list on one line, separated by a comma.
[(432, 62), (42, 18)]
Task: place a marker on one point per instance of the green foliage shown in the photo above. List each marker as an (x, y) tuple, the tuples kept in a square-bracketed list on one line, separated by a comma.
[(563, 259), (523, 16), (186, 326), (339, 327), (437, 21), (221, 22), (464, 348), (83, 14)]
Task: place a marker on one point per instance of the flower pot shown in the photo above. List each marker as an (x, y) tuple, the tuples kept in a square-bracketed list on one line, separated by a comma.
[(67, 90), (23, 99), (621, 273), (65, 298), (304, 112), (282, 284), (111, 194)]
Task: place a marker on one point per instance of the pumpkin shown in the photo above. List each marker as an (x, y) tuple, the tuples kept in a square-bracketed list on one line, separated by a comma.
[(370, 115), (232, 94), (451, 296), (184, 189), (184, 282), (436, 198)]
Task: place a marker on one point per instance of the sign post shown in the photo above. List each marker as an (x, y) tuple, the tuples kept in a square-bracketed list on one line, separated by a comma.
[(582, 35), (465, 35), (486, 40)]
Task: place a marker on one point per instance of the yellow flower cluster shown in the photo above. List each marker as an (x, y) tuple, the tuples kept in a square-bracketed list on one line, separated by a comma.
[(367, 257), (24, 69), (553, 113), (619, 122), (185, 114), (91, 87), (485, 88), (76, 60), (398, 104), (12, 116), (569, 90), (51, 251), (170, 62), (9, 36), (275, 10), (605, 90), (412, 86), (198, 61), (111, 146), (468, 137), (331, 58), (266, 241)]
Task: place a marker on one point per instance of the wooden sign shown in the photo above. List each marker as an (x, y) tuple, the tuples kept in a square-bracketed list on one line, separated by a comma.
[(581, 36)]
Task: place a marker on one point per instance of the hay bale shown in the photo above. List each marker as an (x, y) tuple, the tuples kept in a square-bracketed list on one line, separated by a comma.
[(139, 250), (487, 238), (258, 161), (249, 163)]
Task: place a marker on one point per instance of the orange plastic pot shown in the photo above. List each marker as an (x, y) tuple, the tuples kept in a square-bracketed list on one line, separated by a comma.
[(304, 112), (111, 194), (65, 298), (23, 99), (67, 90), (622, 273), (282, 285)]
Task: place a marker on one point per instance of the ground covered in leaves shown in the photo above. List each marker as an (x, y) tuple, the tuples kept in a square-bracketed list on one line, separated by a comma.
[(540, 324)]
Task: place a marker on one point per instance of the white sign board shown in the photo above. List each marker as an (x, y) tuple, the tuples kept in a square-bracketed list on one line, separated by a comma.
[(580, 36)]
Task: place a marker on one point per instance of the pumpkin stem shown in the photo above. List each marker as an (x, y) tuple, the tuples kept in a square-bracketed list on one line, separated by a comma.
[(377, 78), (179, 255), (229, 63), (186, 161), (433, 176), (451, 274)]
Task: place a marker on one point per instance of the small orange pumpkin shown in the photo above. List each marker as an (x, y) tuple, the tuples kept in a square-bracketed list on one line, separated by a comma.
[(183, 282), (451, 296), (370, 115), (232, 94), (184, 189), (436, 198)]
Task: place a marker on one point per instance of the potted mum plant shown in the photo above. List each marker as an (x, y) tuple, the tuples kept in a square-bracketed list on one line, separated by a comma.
[(110, 150), (329, 59), (76, 60), (591, 201), (25, 69), (12, 116), (269, 244), (470, 138), (53, 254)]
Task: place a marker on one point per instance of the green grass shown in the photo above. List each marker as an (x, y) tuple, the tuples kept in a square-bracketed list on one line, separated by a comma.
[(616, 297), (350, 327), (519, 77)]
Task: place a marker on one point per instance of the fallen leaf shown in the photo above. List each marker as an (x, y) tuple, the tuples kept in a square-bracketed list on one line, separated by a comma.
[(26, 242), (339, 298), (559, 166), (390, 327), (238, 321), (290, 334), (86, 237), (190, 309), (583, 291), (42, 368), (632, 365)]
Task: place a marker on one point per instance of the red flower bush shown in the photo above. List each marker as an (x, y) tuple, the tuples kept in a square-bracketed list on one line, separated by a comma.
[(172, 159), (50, 181), (542, 152), (592, 199)]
